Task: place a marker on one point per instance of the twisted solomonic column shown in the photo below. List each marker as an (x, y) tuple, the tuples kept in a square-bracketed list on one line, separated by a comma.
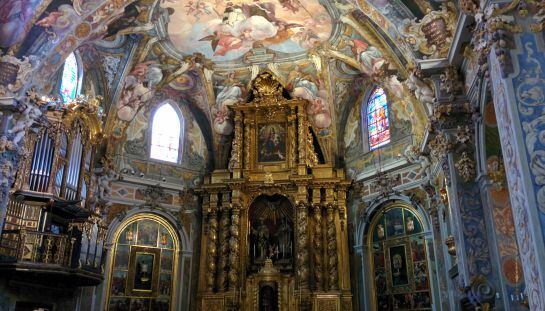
[(302, 246), (333, 279), (223, 249), (234, 243), (211, 251), (318, 247)]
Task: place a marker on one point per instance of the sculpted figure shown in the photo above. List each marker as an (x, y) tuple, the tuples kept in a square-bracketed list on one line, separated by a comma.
[(6, 144), (28, 116), (413, 155), (422, 91)]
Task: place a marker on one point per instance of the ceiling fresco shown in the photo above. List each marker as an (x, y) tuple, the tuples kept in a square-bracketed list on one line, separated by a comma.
[(203, 54), (226, 30)]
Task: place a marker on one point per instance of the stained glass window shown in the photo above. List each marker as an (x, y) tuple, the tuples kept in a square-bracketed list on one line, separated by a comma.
[(165, 134), (70, 78), (378, 125)]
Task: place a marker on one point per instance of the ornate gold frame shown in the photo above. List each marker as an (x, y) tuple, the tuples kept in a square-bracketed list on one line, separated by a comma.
[(134, 251)]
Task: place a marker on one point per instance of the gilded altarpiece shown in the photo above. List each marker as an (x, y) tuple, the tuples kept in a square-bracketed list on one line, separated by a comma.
[(274, 223)]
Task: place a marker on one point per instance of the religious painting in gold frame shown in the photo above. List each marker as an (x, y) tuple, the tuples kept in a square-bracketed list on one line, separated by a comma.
[(143, 239), (271, 142), (143, 271), (399, 261)]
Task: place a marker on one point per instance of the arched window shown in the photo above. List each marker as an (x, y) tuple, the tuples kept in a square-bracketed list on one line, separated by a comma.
[(376, 118), (165, 134), (70, 79)]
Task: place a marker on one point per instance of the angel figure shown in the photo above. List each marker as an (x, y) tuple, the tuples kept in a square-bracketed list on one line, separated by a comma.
[(370, 57), (224, 40), (6, 145)]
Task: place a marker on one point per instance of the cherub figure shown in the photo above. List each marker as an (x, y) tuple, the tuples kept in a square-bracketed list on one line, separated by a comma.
[(5, 172), (28, 116), (422, 91), (413, 155), (6, 145), (104, 181)]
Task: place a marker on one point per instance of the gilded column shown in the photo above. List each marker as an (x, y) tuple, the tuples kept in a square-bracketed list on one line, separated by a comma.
[(333, 277), (301, 135), (234, 243), (223, 248), (212, 244), (343, 264), (236, 151), (302, 245), (318, 247), (292, 118), (248, 142)]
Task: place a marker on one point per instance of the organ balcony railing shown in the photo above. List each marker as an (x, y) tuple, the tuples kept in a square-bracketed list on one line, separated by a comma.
[(38, 247)]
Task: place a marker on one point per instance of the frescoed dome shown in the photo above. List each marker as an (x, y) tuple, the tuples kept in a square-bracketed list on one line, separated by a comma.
[(227, 30)]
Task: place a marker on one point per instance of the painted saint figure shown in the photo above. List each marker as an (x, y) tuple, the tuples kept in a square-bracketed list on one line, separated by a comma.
[(229, 93), (272, 147), (14, 20), (304, 86), (370, 57)]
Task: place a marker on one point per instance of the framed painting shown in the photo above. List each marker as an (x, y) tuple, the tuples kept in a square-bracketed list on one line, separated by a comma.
[(147, 233), (143, 271), (119, 280), (398, 265), (271, 140)]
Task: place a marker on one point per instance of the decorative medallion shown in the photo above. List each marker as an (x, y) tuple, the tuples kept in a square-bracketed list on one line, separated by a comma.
[(83, 30)]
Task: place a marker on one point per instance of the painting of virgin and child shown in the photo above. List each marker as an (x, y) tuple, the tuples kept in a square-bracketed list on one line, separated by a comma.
[(272, 143)]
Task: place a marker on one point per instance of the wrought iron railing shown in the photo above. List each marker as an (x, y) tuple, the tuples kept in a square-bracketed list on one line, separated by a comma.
[(37, 247)]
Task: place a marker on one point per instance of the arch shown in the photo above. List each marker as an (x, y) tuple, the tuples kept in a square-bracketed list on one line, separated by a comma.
[(166, 134), (363, 223), (375, 119), (71, 78), (144, 244), (399, 267)]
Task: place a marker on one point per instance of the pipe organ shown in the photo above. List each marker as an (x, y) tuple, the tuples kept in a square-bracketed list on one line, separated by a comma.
[(52, 216)]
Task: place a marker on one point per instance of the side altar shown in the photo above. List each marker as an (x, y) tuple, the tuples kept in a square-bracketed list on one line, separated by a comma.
[(274, 223)]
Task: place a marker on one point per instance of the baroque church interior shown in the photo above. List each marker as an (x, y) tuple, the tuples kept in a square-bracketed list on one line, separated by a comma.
[(272, 155)]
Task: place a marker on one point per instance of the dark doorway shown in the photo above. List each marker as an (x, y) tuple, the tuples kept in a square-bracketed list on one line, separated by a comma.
[(268, 298)]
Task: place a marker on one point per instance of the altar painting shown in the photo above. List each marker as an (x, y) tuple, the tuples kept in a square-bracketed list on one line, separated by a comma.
[(272, 142)]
